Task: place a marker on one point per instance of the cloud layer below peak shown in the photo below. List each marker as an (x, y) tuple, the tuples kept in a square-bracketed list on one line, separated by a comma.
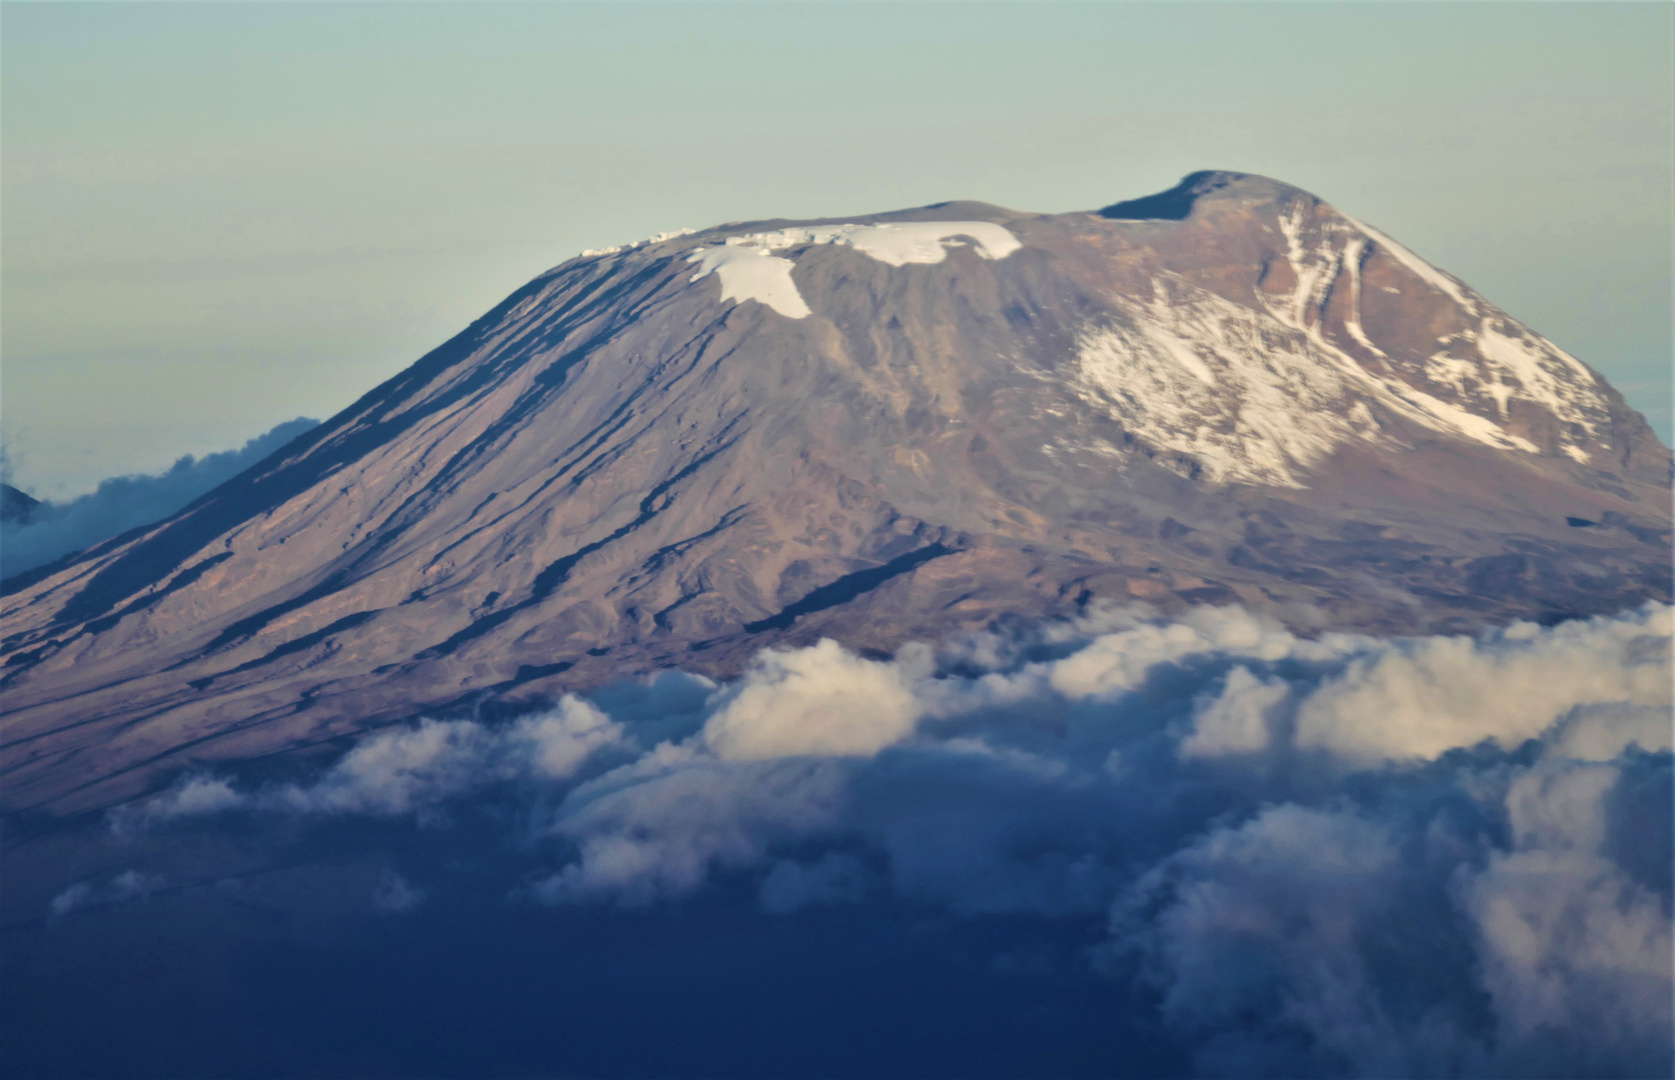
[(1339, 854)]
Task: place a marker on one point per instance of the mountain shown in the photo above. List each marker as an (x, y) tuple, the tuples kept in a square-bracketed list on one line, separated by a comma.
[(45, 532), (877, 429), (15, 505)]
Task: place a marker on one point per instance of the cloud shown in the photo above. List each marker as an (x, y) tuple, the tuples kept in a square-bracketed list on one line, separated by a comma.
[(1332, 854), (127, 502), (819, 700), (834, 878), (76, 896), (1240, 720), (1255, 938), (408, 770), (1377, 941), (660, 827), (1568, 941), (1420, 697), (1116, 663), (395, 894), (128, 885)]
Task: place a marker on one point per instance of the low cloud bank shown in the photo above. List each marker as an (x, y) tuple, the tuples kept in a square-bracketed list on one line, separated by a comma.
[(410, 770), (1339, 855), (127, 502)]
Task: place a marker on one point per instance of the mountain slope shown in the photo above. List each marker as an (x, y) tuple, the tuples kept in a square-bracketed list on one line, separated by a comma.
[(876, 429)]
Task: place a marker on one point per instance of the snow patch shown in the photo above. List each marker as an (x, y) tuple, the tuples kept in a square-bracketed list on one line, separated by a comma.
[(1544, 373), (1455, 420), (654, 238), (928, 241), (1531, 361), (1352, 321), (895, 243), (1496, 362), (1197, 375), (749, 271), (1315, 274), (1420, 269), (1261, 397)]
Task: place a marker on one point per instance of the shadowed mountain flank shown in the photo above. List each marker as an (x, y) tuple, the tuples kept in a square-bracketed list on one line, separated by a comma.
[(877, 429)]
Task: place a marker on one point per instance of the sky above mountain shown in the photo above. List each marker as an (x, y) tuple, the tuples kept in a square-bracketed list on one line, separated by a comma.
[(217, 218)]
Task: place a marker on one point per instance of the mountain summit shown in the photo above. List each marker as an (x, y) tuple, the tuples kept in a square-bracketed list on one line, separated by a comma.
[(876, 429)]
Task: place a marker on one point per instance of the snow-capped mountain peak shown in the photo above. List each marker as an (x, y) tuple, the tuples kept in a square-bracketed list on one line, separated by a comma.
[(877, 429)]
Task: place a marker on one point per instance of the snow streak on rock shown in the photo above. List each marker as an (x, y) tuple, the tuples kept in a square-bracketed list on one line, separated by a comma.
[(1237, 394), (1261, 394), (1540, 372)]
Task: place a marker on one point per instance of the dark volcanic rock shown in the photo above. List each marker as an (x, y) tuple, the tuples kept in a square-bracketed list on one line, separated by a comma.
[(877, 430)]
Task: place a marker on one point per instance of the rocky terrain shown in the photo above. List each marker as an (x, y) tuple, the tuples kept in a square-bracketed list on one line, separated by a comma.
[(875, 429)]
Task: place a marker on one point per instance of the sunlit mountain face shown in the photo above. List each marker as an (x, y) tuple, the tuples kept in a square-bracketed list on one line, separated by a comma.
[(1196, 637)]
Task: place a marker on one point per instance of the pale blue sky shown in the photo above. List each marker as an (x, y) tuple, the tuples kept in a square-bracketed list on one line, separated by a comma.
[(218, 217)]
